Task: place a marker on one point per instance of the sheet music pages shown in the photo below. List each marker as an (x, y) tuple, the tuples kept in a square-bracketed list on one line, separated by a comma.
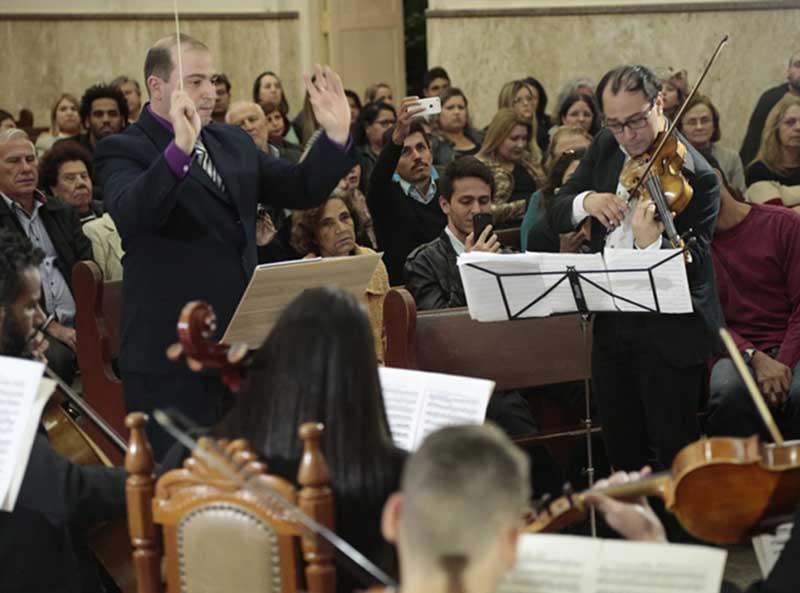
[(570, 564), (19, 385), (671, 282), (418, 403), (592, 265), (768, 547), (274, 286)]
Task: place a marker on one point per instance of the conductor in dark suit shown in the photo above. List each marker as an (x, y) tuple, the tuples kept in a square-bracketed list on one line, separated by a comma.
[(647, 369), (183, 192)]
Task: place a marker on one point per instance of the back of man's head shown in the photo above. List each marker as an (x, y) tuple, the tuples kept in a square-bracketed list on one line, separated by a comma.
[(462, 500)]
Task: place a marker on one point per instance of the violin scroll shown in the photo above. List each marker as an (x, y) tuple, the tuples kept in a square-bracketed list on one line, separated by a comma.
[(196, 328)]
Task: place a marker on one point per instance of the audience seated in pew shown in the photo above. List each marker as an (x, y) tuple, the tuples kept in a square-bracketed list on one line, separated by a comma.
[(522, 97), (517, 174), (277, 130), (351, 184), (104, 111), (41, 541), (133, 95), (222, 85), (6, 121), (369, 136), (403, 191), (65, 121), (580, 110), (331, 230), (434, 81), (380, 92), (541, 237), (268, 92), (454, 136), (774, 176), (65, 172), (53, 227), (756, 254)]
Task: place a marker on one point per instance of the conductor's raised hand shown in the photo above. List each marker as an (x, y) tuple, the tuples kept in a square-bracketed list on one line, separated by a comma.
[(185, 121), (329, 103), (408, 110)]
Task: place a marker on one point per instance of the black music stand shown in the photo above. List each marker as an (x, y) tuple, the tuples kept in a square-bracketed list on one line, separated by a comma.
[(576, 278)]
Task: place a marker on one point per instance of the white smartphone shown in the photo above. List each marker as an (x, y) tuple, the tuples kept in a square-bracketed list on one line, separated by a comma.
[(432, 105)]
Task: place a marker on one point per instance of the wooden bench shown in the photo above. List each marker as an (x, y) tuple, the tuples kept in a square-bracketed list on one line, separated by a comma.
[(97, 325), (510, 238), (514, 354)]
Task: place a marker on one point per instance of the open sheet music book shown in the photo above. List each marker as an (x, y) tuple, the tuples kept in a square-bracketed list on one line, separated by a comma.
[(418, 403), (274, 286), (519, 285), (555, 563), (23, 394)]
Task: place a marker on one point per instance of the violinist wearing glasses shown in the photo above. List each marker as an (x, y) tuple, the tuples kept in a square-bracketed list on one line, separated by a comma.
[(647, 369)]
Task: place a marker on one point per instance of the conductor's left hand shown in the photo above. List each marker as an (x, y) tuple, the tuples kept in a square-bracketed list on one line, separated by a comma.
[(329, 103)]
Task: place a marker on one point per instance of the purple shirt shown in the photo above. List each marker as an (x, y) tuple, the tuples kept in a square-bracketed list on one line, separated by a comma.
[(179, 162)]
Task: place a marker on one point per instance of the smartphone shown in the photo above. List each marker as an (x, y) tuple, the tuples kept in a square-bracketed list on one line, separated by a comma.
[(432, 105), (479, 224)]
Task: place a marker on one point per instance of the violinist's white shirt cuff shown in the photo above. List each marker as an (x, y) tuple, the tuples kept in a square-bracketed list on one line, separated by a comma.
[(578, 212)]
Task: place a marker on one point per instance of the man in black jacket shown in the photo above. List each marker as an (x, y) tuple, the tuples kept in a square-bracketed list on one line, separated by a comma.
[(52, 226), (183, 192), (647, 369), (403, 192), (41, 547), (752, 139), (431, 274)]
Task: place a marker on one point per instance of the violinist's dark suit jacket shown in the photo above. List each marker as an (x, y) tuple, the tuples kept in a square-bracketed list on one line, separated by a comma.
[(185, 240), (648, 368), (685, 339), (41, 547)]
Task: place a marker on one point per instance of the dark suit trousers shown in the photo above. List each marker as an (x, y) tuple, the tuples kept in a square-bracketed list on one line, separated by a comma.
[(646, 404), (203, 398)]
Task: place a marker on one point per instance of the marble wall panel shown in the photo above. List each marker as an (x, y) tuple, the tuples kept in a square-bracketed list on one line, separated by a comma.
[(42, 58), (483, 52)]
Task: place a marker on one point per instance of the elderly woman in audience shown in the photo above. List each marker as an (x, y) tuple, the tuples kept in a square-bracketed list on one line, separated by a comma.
[(565, 139), (700, 125), (318, 365), (332, 230), (774, 175), (65, 172), (543, 122), (580, 109), (380, 92), (541, 236), (522, 98), (6, 121), (516, 175), (65, 122), (373, 122), (454, 136)]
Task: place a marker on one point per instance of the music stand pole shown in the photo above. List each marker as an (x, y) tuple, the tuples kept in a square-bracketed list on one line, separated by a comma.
[(587, 421)]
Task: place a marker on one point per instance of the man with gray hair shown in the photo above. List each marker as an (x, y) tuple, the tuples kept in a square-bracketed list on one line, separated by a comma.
[(133, 95), (460, 511), (52, 226)]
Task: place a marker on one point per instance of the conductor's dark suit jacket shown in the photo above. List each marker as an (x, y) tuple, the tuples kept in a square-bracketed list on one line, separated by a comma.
[(685, 339), (184, 239)]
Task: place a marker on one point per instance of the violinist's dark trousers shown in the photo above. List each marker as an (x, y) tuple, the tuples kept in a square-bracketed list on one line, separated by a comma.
[(731, 411), (203, 398), (646, 403)]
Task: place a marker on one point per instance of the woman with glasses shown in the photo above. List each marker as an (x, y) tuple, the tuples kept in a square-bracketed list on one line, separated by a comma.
[(373, 121), (454, 136), (700, 125), (648, 369), (774, 176), (523, 99)]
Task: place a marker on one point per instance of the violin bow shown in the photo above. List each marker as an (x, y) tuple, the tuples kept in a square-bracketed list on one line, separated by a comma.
[(678, 116), (220, 460), (752, 388), (178, 49)]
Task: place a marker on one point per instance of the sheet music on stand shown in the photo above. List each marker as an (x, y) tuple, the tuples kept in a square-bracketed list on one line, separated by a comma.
[(274, 286), (499, 287)]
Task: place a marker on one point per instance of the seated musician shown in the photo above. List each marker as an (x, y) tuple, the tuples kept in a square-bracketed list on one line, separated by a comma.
[(334, 229), (453, 531), (758, 280), (431, 274), (319, 365), (41, 548)]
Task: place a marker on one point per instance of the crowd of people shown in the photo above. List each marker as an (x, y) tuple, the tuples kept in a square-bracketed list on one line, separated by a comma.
[(180, 194)]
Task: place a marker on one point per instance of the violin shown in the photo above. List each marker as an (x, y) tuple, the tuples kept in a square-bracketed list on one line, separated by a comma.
[(76, 431), (197, 325), (722, 490), (656, 174)]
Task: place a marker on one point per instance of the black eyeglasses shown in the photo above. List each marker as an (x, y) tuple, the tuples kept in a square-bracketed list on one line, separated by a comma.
[(637, 122)]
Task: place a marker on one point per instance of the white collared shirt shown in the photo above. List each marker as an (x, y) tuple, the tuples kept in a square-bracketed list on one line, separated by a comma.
[(458, 246)]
